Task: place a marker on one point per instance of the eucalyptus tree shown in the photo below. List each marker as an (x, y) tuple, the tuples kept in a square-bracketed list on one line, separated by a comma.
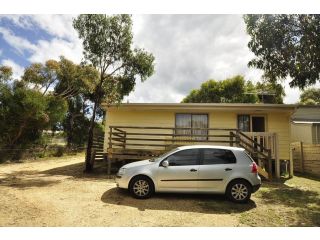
[(108, 47)]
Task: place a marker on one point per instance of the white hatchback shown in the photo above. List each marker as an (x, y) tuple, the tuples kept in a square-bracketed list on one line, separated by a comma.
[(193, 169)]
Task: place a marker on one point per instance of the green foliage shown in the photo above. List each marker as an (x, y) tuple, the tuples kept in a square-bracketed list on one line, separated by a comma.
[(286, 46), (5, 73), (270, 92), (310, 96), (107, 43), (235, 90)]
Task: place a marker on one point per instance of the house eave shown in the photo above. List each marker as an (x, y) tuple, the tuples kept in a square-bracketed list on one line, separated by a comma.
[(202, 107)]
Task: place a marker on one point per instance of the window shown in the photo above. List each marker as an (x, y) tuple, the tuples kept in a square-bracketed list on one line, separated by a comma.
[(184, 158), (218, 156), (316, 133), (244, 123), (192, 121)]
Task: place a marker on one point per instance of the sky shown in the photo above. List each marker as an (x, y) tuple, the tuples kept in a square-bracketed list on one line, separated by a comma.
[(188, 50)]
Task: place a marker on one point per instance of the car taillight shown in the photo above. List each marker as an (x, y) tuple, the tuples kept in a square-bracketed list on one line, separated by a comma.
[(254, 168)]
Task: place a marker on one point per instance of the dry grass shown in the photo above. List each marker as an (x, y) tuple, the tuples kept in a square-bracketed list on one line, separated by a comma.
[(56, 192)]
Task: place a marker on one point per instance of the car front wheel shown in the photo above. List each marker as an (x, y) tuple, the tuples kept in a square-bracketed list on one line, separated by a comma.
[(141, 187), (239, 191)]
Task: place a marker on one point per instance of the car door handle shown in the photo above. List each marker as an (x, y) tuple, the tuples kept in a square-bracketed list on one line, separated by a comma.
[(193, 170), (228, 169)]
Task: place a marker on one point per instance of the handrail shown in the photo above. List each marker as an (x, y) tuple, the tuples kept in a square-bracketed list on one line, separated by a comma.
[(252, 141), (174, 128)]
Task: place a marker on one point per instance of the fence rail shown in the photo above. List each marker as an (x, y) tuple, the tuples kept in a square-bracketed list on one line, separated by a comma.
[(306, 158)]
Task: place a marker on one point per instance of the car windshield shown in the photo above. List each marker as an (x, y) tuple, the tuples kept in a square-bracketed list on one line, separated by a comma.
[(163, 155)]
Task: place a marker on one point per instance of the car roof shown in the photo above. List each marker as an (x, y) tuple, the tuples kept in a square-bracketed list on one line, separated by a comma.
[(211, 146)]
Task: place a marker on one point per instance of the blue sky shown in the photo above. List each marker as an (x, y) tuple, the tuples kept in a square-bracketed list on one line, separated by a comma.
[(189, 49)]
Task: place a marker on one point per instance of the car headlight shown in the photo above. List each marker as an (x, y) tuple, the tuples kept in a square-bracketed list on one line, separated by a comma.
[(121, 171)]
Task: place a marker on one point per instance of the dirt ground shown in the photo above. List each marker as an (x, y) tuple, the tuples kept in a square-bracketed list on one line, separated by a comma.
[(55, 192)]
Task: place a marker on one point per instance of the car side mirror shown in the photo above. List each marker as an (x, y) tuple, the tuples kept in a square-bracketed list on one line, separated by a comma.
[(165, 163)]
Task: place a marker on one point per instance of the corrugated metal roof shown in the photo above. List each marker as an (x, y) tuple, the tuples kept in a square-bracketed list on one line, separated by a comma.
[(306, 114)]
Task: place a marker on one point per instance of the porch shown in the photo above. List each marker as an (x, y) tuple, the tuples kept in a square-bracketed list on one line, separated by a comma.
[(131, 143)]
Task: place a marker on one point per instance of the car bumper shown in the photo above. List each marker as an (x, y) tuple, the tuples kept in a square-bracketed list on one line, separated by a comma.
[(256, 187), (121, 181)]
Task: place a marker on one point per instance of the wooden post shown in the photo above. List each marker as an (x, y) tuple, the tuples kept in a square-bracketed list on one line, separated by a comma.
[(231, 139), (124, 140), (301, 157), (277, 163), (109, 155), (269, 165), (291, 162), (237, 138)]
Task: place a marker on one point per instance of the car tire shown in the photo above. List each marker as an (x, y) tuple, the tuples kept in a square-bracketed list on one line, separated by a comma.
[(239, 191), (141, 187)]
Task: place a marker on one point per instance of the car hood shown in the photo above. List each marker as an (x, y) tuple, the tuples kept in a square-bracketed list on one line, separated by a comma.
[(138, 163)]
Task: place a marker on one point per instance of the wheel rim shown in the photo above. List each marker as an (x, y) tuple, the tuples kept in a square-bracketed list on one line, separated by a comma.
[(141, 188), (239, 191)]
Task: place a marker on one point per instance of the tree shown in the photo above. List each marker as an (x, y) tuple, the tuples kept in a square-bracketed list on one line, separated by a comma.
[(24, 113), (107, 43), (286, 46), (232, 90), (236, 90), (310, 96), (270, 92)]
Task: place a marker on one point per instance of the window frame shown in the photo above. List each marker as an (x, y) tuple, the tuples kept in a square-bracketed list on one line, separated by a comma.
[(198, 157), (202, 157), (191, 114)]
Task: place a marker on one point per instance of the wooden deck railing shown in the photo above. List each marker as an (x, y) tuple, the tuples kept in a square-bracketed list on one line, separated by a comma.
[(128, 140), (166, 137)]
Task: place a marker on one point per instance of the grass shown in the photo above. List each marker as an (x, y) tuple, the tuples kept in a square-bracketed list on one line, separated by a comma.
[(294, 202)]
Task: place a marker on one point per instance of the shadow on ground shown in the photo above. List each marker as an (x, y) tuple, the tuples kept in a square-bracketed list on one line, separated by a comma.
[(28, 179), (76, 171), (210, 204), (305, 203)]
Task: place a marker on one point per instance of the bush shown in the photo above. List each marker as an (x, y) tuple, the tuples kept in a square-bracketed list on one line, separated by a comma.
[(59, 151)]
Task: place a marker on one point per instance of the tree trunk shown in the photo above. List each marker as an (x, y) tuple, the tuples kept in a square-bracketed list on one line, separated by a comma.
[(89, 165)]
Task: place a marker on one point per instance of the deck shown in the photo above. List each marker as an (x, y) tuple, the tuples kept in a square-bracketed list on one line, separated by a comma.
[(131, 143)]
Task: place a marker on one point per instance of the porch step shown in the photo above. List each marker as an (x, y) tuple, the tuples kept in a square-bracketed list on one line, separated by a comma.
[(263, 173)]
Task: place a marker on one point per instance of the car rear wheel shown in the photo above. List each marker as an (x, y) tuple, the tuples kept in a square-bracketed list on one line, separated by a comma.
[(239, 191), (141, 187)]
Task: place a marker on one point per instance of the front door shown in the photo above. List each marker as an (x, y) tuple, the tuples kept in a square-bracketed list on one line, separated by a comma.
[(258, 124), (216, 166), (182, 172)]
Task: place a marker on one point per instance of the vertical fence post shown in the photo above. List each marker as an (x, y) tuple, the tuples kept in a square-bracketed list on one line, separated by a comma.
[(237, 138), (124, 140), (269, 165), (110, 147), (231, 139), (301, 157), (291, 162)]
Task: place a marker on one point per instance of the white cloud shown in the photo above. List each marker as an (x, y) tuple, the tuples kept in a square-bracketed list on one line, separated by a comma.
[(189, 49), (16, 69), (65, 41), (18, 43)]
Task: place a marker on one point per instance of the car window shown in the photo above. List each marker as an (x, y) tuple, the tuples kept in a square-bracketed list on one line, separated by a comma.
[(184, 158), (217, 156)]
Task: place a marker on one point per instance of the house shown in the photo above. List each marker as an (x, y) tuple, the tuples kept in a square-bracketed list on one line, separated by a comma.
[(305, 125), (141, 130)]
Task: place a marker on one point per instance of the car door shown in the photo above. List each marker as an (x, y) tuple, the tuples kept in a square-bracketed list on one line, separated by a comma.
[(215, 168), (182, 172)]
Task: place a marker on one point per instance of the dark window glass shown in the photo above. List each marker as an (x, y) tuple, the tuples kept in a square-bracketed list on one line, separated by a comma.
[(244, 123), (218, 156), (184, 158)]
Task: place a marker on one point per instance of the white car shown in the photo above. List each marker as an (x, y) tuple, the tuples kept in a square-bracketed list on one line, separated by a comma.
[(193, 169)]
